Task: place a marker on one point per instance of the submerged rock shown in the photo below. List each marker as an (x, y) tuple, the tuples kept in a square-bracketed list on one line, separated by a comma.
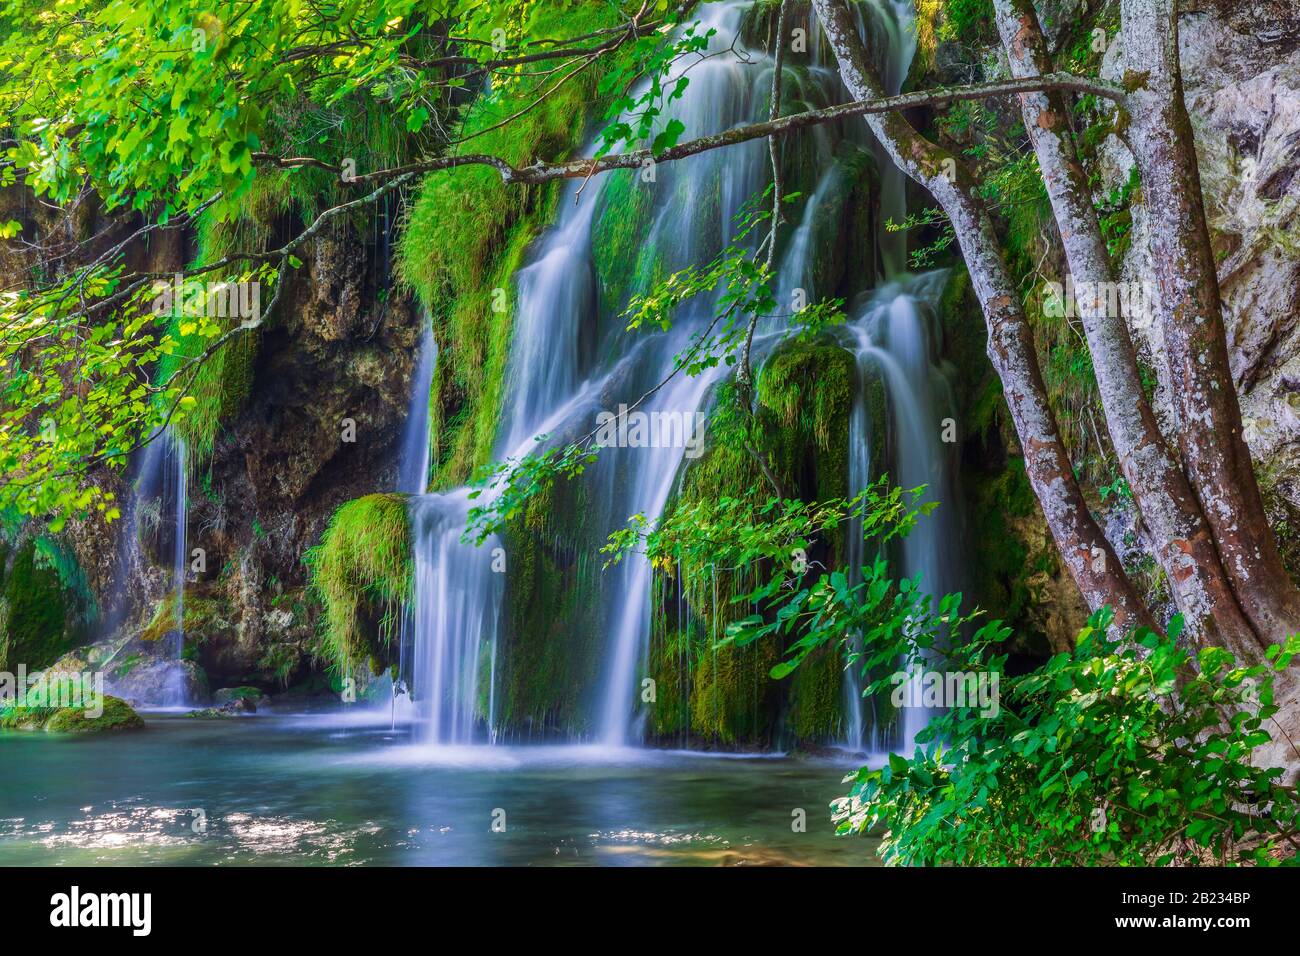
[(233, 707), (248, 698)]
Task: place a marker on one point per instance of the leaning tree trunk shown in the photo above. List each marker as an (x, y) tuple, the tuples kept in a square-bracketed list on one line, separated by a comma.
[(1191, 317), (1082, 546), (1181, 538)]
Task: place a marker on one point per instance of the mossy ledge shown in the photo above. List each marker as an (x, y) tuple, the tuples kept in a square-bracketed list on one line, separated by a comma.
[(467, 233), (722, 696), (362, 573), (46, 604)]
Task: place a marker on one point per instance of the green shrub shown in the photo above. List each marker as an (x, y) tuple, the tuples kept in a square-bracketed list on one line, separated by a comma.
[(1124, 752)]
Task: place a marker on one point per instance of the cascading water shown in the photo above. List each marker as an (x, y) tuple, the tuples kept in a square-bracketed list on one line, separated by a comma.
[(895, 339), (146, 487), (892, 20), (156, 509), (553, 388), (180, 559), (711, 189), (457, 601), (413, 468), (451, 624), (571, 358), (413, 479), (892, 23)]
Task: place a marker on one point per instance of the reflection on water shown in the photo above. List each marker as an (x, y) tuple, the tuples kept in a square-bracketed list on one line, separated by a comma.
[(282, 790)]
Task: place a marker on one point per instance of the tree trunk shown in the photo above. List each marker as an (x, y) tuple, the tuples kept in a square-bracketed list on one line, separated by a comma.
[(1082, 546), (1181, 538), (1190, 312)]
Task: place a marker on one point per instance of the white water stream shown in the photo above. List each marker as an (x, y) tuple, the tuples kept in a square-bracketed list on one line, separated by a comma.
[(557, 382)]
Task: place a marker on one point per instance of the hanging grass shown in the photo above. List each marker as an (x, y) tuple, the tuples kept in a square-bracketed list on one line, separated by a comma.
[(362, 573)]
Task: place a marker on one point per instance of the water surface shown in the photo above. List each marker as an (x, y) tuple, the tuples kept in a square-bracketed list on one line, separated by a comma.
[(322, 790)]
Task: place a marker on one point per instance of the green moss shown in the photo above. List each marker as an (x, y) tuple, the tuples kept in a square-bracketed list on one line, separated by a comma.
[(276, 200), (200, 615), (724, 694), (817, 697), (551, 643), (624, 262), (733, 698), (244, 693), (129, 664), (844, 224), (808, 389), (1002, 569), (33, 713), (117, 715), (467, 233), (35, 613), (672, 662), (212, 713), (969, 22), (23, 714), (362, 573)]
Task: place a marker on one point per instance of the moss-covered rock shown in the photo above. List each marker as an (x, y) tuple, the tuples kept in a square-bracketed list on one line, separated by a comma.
[(551, 641), (362, 573), (624, 262), (468, 232), (117, 714), (226, 694), (723, 695), (816, 699)]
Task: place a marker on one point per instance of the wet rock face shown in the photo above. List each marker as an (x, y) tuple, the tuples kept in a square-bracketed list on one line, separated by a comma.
[(136, 670), (91, 539), (322, 426), (1247, 114), (159, 682), (324, 419)]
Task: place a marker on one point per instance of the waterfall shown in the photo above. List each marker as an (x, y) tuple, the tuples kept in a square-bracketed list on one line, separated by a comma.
[(556, 386), (722, 93), (896, 339), (451, 625), (413, 467), (894, 19), (452, 620), (157, 502), (795, 281), (457, 602), (413, 479), (180, 557), (572, 358), (860, 452), (145, 486)]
